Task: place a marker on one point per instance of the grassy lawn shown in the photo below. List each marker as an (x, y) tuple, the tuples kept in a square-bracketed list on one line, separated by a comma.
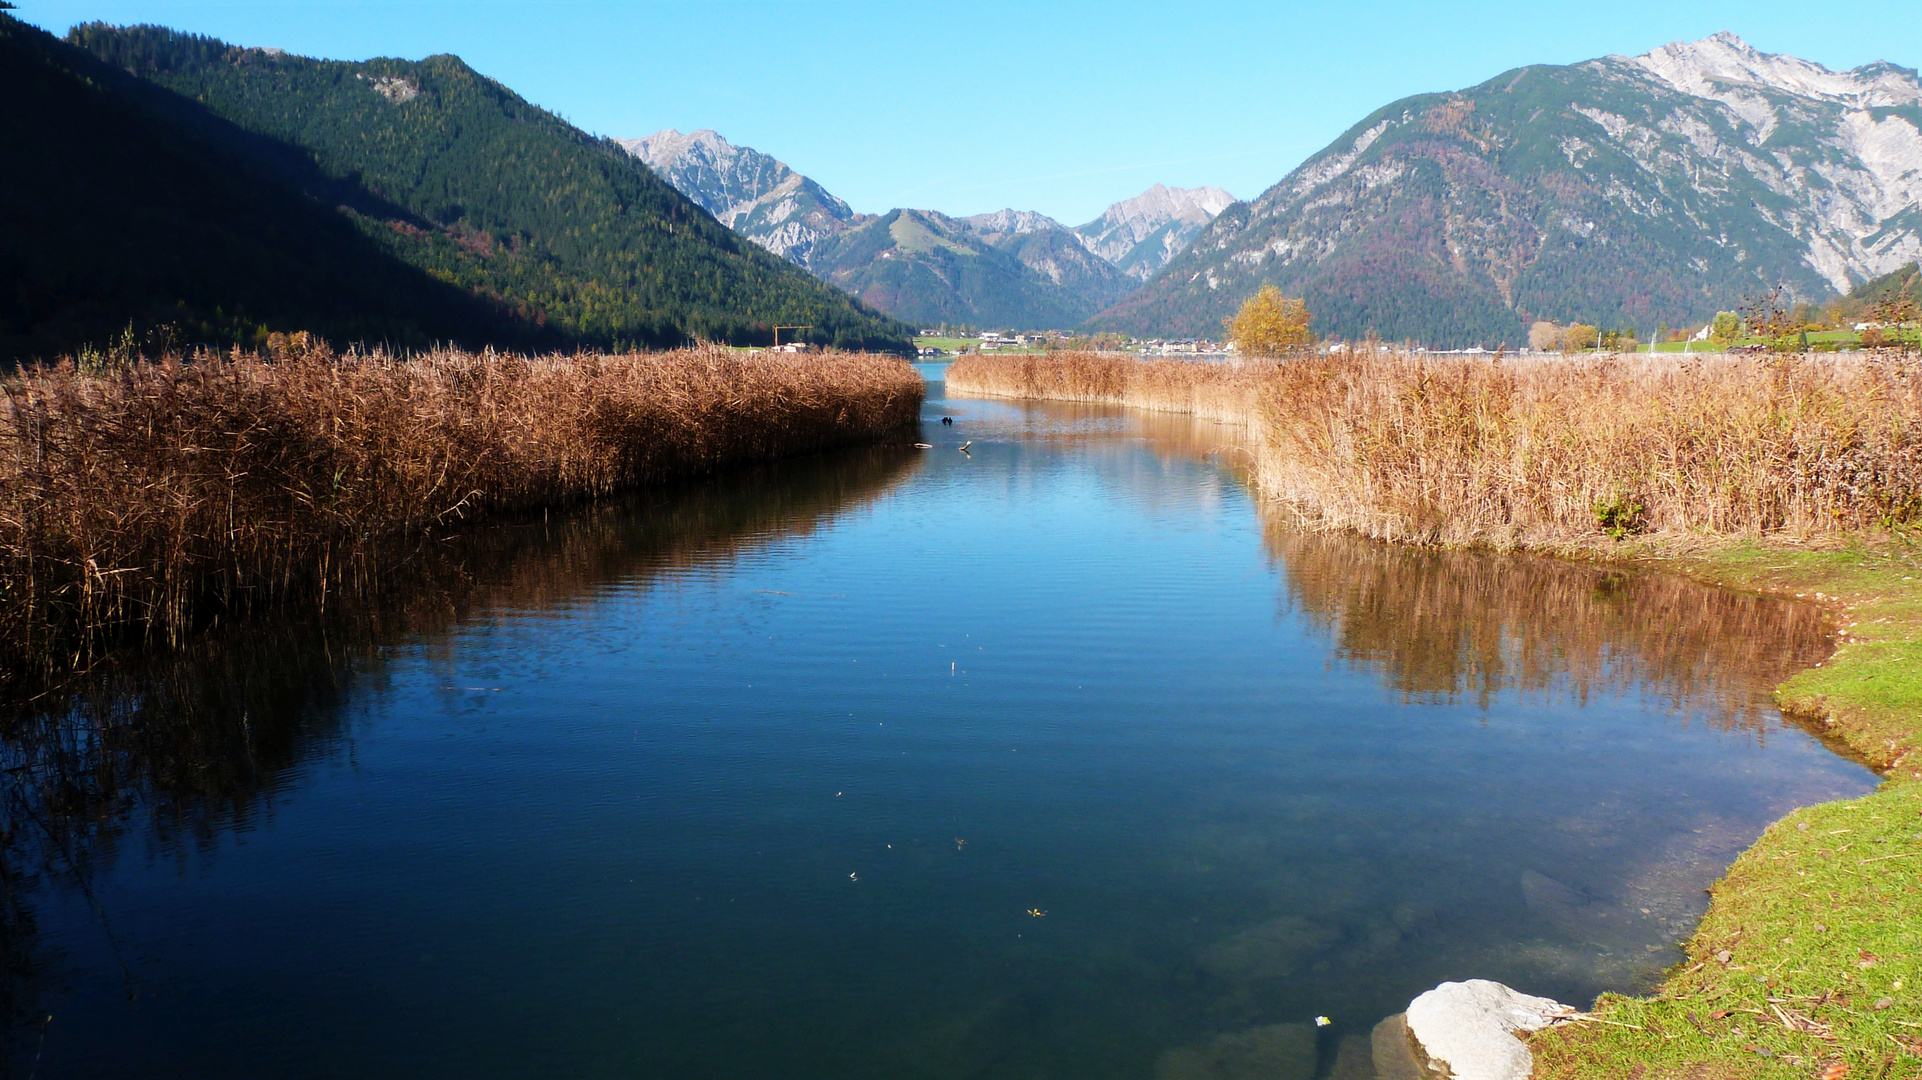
[(950, 344), (1843, 338), (1811, 953)]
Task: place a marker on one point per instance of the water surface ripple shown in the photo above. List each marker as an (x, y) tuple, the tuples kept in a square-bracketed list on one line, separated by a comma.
[(1049, 759)]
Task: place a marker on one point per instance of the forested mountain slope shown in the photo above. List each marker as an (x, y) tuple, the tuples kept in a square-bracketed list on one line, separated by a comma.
[(1619, 191), (455, 174), (123, 208), (1903, 281)]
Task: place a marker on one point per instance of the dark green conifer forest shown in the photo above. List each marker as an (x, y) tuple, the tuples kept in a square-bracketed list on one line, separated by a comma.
[(164, 180)]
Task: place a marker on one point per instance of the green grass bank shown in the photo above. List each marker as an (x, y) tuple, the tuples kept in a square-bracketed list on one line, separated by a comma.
[(1809, 961)]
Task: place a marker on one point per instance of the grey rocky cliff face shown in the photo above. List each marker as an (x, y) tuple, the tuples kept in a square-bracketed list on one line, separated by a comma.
[(1623, 191), (1141, 234), (748, 191), (1842, 149)]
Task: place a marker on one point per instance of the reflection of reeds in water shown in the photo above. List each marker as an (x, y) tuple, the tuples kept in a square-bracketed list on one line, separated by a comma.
[(194, 742), (142, 498), (1455, 625)]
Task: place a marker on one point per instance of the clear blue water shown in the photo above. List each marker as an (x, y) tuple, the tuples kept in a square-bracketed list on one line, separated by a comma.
[(1050, 759)]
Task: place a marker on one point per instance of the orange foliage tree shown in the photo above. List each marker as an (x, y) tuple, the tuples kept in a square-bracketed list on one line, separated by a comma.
[(1269, 323)]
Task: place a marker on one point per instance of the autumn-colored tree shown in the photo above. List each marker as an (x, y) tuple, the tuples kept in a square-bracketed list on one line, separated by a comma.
[(1579, 336), (1269, 324), (1768, 316)]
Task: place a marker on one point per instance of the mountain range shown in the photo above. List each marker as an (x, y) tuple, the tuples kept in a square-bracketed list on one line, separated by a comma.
[(1013, 268), (1622, 191), (152, 178), (223, 191)]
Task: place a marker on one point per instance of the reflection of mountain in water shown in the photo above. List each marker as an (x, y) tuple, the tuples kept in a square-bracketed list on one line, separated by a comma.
[(197, 743), (1447, 625)]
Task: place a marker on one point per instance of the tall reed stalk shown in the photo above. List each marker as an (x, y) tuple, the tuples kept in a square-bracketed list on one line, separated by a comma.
[(137, 499), (1549, 453)]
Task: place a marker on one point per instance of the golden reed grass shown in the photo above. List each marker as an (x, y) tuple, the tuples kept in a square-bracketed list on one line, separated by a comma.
[(1224, 392), (1549, 453), (136, 500)]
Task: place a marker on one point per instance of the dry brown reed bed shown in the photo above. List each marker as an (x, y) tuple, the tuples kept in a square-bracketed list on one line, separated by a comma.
[(1223, 392), (135, 500), (1549, 453)]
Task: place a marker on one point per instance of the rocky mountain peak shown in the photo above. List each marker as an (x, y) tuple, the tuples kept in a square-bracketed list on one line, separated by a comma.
[(664, 149), (1723, 62), (1141, 234), (748, 191), (1620, 191), (1012, 222), (1161, 204)]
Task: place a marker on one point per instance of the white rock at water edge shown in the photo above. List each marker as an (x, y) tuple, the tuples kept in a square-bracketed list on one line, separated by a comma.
[(1469, 1028)]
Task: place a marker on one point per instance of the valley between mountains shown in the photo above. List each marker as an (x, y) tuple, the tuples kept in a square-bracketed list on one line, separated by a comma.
[(1010, 268), (1630, 192), (1642, 194)]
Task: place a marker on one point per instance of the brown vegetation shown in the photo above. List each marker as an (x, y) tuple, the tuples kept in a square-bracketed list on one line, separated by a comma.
[(136, 499), (1541, 452), (1443, 625), (1225, 392)]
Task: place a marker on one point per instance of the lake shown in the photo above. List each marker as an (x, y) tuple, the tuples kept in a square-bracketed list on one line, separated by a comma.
[(1056, 757)]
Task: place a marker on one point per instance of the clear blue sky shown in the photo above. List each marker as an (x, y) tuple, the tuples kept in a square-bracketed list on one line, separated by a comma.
[(962, 108)]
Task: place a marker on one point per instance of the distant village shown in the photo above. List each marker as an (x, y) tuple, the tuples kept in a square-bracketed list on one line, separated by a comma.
[(955, 342)]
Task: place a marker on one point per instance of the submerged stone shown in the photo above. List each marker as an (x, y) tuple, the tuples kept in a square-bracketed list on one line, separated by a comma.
[(1269, 951), (1392, 1051), (1274, 1052)]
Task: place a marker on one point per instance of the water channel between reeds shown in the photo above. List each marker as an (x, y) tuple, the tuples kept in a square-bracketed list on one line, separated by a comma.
[(1050, 758)]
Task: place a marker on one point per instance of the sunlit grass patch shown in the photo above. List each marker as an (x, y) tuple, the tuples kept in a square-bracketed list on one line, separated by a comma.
[(1811, 954)]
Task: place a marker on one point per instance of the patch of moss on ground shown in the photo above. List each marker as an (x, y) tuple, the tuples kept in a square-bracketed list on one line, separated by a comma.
[(1811, 953)]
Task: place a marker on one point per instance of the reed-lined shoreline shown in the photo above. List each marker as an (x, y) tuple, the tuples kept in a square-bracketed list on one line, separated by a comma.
[(138, 499), (1539, 453), (1797, 475)]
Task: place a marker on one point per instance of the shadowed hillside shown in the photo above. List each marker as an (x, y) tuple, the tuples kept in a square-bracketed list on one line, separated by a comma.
[(452, 173), (124, 205)]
